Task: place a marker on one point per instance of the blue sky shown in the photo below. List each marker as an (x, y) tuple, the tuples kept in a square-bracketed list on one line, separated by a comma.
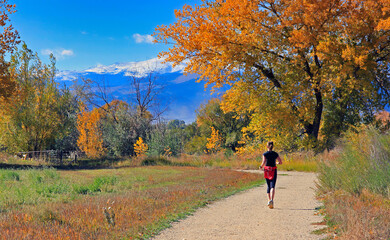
[(85, 33)]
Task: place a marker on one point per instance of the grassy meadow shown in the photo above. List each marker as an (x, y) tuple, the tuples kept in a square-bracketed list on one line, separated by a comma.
[(120, 203)]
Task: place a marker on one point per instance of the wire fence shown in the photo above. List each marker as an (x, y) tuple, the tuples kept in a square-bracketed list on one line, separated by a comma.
[(52, 156)]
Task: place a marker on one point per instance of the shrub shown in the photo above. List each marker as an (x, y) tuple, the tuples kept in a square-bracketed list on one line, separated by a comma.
[(163, 140), (363, 163), (355, 186)]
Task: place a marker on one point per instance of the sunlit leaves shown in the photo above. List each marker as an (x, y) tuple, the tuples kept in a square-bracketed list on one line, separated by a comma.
[(140, 147), (90, 139), (214, 142), (286, 60)]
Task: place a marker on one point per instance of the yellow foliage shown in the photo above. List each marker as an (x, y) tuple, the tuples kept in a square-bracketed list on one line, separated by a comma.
[(140, 148), (214, 143)]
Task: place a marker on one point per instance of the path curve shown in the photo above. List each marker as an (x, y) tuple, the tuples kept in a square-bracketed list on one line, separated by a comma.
[(246, 215)]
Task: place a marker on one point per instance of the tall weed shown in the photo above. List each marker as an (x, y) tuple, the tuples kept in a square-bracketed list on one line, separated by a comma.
[(364, 163)]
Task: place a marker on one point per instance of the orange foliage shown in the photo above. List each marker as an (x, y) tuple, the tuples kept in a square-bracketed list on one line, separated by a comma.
[(8, 36), (383, 119), (217, 38), (90, 136), (9, 39), (285, 58)]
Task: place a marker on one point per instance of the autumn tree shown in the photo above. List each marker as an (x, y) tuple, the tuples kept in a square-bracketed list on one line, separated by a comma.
[(95, 94), (8, 41), (35, 117), (214, 142), (90, 139), (298, 66), (140, 147)]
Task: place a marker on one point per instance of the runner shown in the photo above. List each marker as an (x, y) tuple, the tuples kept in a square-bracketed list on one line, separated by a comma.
[(270, 171)]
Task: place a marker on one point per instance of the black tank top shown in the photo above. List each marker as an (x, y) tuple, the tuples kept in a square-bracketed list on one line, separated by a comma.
[(271, 157)]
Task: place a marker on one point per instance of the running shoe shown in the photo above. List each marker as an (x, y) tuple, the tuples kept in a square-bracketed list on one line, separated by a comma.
[(271, 204)]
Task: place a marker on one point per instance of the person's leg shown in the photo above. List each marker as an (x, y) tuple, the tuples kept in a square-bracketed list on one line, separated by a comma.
[(272, 194), (268, 189), (272, 186)]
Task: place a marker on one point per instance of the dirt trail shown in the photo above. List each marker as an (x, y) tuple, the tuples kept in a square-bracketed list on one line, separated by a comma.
[(246, 215)]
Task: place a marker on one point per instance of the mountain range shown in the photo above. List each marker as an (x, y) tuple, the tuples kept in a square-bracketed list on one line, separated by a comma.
[(181, 92)]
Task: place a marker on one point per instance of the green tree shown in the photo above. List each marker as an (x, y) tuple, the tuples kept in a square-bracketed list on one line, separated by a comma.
[(34, 117), (122, 127), (229, 125), (164, 139), (66, 140), (195, 139)]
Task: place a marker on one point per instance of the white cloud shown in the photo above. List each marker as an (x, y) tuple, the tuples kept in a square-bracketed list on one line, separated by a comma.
[(66, 52), (58, 53), (143, 38)]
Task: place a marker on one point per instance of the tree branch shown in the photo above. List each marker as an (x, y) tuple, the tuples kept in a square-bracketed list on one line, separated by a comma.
[(269, 74)]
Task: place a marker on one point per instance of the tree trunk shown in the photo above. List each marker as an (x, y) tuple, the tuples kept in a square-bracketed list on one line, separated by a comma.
[(318, 114), (313, 129)]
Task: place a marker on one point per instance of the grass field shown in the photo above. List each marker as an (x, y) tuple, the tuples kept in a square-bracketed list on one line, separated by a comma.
[(123, 203)]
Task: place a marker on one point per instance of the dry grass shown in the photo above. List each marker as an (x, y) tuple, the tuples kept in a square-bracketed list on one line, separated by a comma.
[(141, 202), (301, 161), (358, 217), (7, 159)]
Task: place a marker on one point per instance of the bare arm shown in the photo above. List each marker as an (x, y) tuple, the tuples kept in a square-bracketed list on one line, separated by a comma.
[(279, 160), (263, 162)]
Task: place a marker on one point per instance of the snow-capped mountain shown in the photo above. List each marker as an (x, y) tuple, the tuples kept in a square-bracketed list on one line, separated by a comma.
[(181, 91), (137, 69)]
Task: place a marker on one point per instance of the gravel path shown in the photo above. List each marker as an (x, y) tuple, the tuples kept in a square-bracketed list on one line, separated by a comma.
[(246, 215)]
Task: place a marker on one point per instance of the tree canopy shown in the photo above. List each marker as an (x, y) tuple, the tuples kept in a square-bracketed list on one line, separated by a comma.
[(39, 112), (303, 68), (8, 41)]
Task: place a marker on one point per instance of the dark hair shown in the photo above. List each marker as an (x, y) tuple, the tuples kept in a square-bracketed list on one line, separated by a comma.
[(270, 145)]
